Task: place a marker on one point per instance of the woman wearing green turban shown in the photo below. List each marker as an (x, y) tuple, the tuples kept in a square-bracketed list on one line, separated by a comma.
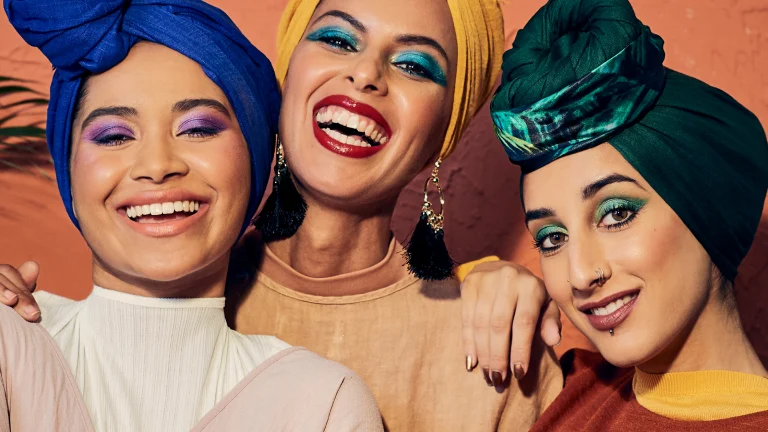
[(643, 189)]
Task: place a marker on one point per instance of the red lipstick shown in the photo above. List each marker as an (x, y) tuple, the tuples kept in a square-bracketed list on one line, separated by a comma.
[(355, 107)]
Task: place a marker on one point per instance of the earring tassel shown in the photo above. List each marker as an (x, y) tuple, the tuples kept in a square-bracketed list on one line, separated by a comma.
[(285, 208), (426, 253)]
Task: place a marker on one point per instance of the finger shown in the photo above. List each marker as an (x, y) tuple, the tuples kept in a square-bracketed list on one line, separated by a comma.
[(481, 327), (523, 330), (9, 290), (551, 325), (29, 272), (24, 304), (500, 332), (468, 304)]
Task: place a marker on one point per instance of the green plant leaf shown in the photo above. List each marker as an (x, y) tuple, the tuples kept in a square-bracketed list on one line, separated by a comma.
[(22, 131), (14, 89), (33, 101)]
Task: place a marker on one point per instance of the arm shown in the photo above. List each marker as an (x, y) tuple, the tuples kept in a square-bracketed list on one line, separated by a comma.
[(354, 408)]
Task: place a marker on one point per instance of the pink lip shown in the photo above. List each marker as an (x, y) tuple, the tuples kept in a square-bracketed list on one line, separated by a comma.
[(168, 228), (355, 107), (612, 320)]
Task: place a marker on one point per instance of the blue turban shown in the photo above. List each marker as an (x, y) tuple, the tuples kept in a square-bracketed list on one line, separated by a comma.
[(83, 37)]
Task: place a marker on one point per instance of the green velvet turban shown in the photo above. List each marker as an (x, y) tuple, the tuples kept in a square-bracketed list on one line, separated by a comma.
[(585, 72)]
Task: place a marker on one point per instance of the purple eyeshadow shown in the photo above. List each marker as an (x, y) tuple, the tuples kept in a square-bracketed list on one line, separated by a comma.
[(99, 130), (208, 122)]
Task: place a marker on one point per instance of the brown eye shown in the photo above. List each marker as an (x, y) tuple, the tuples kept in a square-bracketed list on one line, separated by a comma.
[(620, 215), (553, 241)]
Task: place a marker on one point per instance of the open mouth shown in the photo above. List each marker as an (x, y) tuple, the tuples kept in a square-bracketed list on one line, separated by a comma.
[(157, 213), (611, 307), (350, 128), (611, 311)]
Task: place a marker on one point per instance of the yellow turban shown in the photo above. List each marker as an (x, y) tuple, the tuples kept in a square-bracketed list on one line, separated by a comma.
[(480, 35)]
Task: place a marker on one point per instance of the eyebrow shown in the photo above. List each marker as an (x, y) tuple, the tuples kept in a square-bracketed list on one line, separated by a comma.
[(410, 39), (541, 213), (346, 17), (118, 111), (593, 188), (189, 104)]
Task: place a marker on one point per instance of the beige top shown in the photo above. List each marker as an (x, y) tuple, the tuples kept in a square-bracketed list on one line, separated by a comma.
[(404, 339), (293, 390)]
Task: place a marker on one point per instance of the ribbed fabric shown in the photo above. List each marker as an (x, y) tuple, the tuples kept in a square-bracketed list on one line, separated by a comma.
[(148, 364), (701, 395)]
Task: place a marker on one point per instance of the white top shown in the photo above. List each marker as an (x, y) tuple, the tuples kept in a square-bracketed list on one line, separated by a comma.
[(151, 364)]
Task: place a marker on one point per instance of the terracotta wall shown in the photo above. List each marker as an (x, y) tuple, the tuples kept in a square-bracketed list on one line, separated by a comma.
[(724, 42)]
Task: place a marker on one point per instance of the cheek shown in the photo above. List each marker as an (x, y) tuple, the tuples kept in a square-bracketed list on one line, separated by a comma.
[(225, 166), (94, 173), (555, 272)]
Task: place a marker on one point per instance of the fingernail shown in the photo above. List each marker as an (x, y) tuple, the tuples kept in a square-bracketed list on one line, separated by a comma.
[(470, 364), (10, 295), (496, 378), (487, 377), (518, 371), (31, 310)]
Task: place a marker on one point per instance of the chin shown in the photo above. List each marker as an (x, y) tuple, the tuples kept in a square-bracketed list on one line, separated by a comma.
[(626, 350)]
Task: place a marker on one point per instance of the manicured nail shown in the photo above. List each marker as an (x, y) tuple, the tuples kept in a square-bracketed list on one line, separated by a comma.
[(470, 364), (10, 295), (31, 310), (518, 371), (496, 378), (487, 377)]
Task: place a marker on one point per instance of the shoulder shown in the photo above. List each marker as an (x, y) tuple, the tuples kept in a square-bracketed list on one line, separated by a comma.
[(299, 388), (56, 311)]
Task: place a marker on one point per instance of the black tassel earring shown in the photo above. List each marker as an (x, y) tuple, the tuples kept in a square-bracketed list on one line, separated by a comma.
[(426, 254), (285, 208)]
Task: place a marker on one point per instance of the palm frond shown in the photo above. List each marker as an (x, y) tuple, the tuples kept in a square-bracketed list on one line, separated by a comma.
[(22, 142)]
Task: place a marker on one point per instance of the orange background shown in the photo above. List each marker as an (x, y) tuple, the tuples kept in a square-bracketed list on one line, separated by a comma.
[(723, 42)]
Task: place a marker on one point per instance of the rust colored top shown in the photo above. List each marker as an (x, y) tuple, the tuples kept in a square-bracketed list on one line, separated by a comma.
[(598, 397)]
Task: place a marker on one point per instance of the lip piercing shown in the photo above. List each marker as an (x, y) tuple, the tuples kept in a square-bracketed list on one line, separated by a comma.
[(611, 332), (600, 276)]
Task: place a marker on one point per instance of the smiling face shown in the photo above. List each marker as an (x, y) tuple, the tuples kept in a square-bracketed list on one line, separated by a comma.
[(159, 170), (367, 98), (592, 210)]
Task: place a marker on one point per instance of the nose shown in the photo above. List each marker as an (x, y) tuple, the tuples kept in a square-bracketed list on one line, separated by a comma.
[(588, 268), (366, 75), (157, 160)]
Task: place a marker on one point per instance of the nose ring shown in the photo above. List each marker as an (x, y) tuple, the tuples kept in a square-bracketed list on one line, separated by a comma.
[(600, 276)]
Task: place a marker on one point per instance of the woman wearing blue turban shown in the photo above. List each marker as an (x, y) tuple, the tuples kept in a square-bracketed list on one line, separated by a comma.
[(161, 111)]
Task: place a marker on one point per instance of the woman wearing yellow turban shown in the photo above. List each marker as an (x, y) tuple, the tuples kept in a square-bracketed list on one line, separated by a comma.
[(371, 96)]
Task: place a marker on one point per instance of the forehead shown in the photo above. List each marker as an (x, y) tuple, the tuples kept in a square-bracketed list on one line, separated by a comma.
[(400, 17), (564, 179), (151, 74)]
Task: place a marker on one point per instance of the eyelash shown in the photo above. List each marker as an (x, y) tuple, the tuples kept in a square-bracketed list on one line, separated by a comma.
[(112, 139), (341, 41), (617, 205), (200, 132)]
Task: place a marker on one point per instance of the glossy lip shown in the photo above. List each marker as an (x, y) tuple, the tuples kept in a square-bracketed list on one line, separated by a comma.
[(356, 107), (612, 320), (168, 228)]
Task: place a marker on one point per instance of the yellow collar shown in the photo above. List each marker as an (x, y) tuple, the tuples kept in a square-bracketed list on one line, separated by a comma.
[(701, 395)]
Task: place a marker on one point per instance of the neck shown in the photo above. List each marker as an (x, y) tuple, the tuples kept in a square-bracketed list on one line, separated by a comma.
[(715, 341), (332, 242), (204, 283)]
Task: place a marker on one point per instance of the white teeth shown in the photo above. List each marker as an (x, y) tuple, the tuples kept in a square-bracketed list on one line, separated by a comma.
[(613, 306), (354, 120), (343, 117), (134, 212)]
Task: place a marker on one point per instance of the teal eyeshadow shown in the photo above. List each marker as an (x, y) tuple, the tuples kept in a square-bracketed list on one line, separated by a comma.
[(326, 33), (426, 61), (611, 204), (549, 230)]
